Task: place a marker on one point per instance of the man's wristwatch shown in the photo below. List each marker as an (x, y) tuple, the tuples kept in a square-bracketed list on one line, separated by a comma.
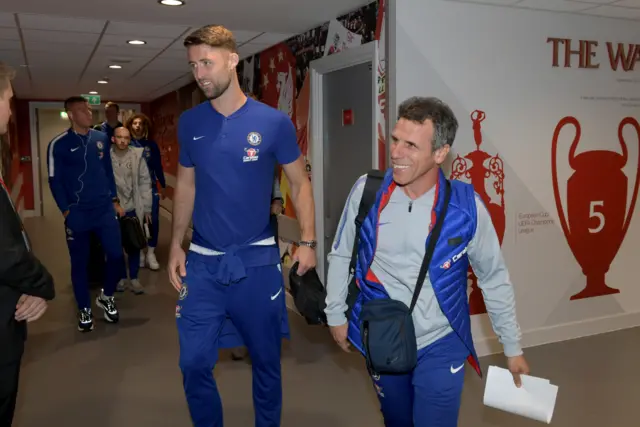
[(308, 243), (115, 200)]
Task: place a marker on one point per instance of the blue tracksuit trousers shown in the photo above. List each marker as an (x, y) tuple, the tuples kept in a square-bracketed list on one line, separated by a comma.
[(79, 225), (154, 227), (430, 395), (220, 300)]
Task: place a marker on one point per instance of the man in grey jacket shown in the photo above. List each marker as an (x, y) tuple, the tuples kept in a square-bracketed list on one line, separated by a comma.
[(133, 184), (429, 396)]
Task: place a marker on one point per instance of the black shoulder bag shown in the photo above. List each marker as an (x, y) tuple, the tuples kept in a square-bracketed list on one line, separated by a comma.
[(133, 238), (386, 325)]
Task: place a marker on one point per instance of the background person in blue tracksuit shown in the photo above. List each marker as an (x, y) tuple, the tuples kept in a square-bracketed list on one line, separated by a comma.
[(231, 289), (82, 183), (399, 223), (140, 127), (111, 112)]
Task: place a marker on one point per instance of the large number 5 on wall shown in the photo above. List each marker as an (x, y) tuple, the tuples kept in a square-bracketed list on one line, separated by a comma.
[(597, 216)]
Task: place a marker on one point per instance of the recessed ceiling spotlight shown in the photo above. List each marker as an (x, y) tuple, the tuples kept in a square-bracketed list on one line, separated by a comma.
[(103, 82), (93, 92), (136, 42), (171, 2), (115, 67)]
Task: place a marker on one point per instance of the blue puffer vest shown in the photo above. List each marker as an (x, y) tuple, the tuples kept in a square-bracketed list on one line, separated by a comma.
[(449, 265)]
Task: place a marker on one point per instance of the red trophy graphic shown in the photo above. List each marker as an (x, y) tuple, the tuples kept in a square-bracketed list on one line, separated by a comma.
[(597, 216), (476, 167)]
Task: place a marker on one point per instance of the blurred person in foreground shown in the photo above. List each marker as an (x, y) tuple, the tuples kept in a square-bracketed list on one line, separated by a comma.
[(25, 284)]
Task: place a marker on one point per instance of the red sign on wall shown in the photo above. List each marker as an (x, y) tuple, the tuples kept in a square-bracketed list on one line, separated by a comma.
[(347, 117)]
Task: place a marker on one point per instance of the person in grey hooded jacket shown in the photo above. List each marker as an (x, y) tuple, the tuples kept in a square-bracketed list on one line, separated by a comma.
[(133, 183)]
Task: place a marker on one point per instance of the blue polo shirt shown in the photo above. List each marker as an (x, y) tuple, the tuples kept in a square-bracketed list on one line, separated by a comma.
[(234, 159)]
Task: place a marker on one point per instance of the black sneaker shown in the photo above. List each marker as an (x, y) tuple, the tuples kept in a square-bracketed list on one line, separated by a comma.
[(108, 305), (85, 320)]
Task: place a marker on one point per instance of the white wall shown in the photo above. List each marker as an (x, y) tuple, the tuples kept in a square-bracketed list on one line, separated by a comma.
[(497, 60)]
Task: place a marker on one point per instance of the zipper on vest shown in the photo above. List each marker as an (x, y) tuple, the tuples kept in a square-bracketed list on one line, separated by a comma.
[(410, 205)]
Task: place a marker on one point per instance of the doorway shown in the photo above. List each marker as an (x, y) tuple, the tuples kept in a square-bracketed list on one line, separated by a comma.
[(50, 124), (343, 141)]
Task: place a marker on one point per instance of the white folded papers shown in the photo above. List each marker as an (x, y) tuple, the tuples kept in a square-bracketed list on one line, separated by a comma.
[(536, 399)]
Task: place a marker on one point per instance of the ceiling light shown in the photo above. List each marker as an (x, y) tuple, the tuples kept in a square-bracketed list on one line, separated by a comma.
[(115, 67), (136, 42), (102, 82), (93, 92), (171, 2)]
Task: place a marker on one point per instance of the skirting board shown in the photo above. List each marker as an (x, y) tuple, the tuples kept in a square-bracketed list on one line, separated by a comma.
[(530, 338), (566, 331)]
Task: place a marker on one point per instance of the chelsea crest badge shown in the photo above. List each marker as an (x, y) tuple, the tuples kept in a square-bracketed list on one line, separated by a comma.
[(254, 138)]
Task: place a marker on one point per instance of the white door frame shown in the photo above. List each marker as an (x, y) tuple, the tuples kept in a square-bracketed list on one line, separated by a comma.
[(317, 69), (35, 149)]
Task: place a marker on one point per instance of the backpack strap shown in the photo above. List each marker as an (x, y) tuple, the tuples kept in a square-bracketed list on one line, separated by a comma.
[(371, 187)]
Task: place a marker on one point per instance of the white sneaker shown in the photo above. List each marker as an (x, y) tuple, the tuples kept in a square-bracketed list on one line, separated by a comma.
[(152, 261), (136, 287), (122, 286), (142, 262)]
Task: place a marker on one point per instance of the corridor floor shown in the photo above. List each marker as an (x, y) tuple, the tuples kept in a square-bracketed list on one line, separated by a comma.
[(127, 375)]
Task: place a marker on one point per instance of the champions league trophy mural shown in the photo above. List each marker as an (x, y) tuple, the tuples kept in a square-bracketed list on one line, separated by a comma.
[(597, 217), (476, 167)]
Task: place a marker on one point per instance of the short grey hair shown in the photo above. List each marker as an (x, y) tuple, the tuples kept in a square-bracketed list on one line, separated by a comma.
[(418, 109), (6, 75)]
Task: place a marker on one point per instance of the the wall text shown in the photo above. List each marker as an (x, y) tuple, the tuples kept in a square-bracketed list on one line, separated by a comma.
[(569, 53)]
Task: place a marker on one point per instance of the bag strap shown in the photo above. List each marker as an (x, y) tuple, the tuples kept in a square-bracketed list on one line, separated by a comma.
[(431, 245), (371, 186)]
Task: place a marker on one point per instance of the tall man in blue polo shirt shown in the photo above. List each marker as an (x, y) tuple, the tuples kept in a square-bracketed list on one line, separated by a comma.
[(231, 286), (83, 186)]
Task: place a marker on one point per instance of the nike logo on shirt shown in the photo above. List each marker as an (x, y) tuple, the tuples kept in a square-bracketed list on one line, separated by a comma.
[(273, 297), (195, 138), (456, 370), (74, 149)]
